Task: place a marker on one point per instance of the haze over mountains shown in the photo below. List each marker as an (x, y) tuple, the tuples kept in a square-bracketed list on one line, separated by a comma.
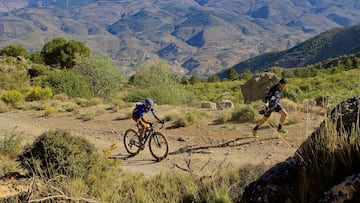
[(197, 37)]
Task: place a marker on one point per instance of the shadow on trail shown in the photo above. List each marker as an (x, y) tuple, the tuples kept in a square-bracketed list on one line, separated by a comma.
[(231, 143), (134, 161)]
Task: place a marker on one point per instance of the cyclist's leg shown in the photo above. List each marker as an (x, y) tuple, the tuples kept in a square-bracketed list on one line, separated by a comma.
[(142, 125)]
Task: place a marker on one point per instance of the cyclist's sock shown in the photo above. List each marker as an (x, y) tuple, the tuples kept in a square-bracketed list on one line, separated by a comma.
[(256, 128), (279, 127)]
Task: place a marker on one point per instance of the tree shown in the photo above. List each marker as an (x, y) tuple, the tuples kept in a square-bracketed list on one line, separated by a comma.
[(52, 50), (152, 79), (214, 78), (14, 51), (36, 57), (103, 76), (69, 82), (246, 75), (233, 74), (194, 79), (60, 52)]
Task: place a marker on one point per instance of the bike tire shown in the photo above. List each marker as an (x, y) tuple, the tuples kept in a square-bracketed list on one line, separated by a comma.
[(158, 146), (132, 142)]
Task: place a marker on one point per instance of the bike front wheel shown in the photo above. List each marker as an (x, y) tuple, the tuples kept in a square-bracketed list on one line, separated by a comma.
[(132, 142), (158, 145)]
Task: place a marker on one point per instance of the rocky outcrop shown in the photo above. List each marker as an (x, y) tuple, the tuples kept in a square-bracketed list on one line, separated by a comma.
[(324, 160), (256, 88)]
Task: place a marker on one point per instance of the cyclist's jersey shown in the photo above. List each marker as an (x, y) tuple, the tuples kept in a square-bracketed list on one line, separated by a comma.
[(274, 95), (140, 110)]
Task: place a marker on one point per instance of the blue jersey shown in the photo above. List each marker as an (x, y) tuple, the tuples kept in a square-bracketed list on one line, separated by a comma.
[(141, 110)]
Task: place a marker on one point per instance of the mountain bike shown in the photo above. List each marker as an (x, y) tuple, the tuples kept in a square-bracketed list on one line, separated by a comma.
[(158, 144)]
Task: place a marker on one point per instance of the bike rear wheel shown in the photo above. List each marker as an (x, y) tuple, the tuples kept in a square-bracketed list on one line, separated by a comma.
[(132, 142), (158, 145)]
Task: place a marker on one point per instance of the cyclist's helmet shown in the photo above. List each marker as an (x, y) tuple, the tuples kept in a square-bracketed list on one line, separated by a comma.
[(149, 101)]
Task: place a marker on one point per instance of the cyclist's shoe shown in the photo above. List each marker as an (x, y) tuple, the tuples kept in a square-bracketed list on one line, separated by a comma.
[(142, 145), (254, 133), (282, 131)]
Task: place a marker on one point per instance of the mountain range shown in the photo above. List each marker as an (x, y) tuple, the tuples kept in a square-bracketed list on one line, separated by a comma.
[(323, 48), (196, 37)]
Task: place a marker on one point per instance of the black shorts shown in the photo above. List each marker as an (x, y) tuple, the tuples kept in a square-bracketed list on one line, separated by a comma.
[(135, 117), (275, 108)]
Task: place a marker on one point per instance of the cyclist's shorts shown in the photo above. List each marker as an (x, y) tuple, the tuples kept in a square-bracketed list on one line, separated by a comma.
[(135, 117)]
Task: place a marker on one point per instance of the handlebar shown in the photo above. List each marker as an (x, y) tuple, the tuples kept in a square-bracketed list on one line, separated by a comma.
[(155, 124)]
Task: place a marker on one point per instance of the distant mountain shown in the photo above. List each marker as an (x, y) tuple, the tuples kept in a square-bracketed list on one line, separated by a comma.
[(197, 37), (330, 44)]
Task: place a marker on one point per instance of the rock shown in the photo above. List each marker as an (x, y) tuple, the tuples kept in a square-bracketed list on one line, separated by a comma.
[(208, 105), (256, 88), (225, 104)]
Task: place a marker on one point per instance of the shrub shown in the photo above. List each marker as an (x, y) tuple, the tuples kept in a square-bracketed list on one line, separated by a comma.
[(103, 76), (49, 110), (190, 118), (3, 107), (82, 102), (38, 93), (10, 145), (226, 117), (12, 97), (68, 82), (244, 113), (57, 152), (171, 115)]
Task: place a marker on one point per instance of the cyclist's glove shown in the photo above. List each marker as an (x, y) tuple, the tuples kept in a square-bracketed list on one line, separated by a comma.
[(162, 121)]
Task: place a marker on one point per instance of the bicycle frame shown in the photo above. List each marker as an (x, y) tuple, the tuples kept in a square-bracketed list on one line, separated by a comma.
[(158, 144)]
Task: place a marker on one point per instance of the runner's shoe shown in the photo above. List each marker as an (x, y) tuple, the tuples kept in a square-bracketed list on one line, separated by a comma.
[(254, 133), (282, 131)]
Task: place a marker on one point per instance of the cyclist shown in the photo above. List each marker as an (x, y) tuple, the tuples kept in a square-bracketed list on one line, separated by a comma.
[(271, 100), (139, 112)]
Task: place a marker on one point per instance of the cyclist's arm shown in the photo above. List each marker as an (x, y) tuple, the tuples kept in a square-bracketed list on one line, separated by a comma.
[(157, 118)]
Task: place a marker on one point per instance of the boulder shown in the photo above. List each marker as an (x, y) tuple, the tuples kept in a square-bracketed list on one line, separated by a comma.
[(258, 85), (324, 160), (225, 104), (208, 105)]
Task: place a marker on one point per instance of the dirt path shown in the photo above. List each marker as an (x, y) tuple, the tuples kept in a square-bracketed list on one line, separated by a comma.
[(238, 146)]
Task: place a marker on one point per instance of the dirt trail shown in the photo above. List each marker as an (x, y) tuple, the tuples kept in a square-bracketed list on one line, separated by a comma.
[(238, 145)]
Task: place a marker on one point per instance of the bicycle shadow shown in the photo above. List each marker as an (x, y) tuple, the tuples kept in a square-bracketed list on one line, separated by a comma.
[(133, 160)]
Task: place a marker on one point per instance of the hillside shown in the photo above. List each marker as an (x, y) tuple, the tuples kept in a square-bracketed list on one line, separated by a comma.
[(196, 37), (330, 44)]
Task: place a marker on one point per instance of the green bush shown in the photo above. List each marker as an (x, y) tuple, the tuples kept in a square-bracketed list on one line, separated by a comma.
[(244, 113), (38, 93), (12, 97), (190, 118), (68, 82), (154, 80), (58, 153)]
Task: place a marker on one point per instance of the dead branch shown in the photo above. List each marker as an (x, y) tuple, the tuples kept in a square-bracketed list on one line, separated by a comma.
[(63, 197)]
